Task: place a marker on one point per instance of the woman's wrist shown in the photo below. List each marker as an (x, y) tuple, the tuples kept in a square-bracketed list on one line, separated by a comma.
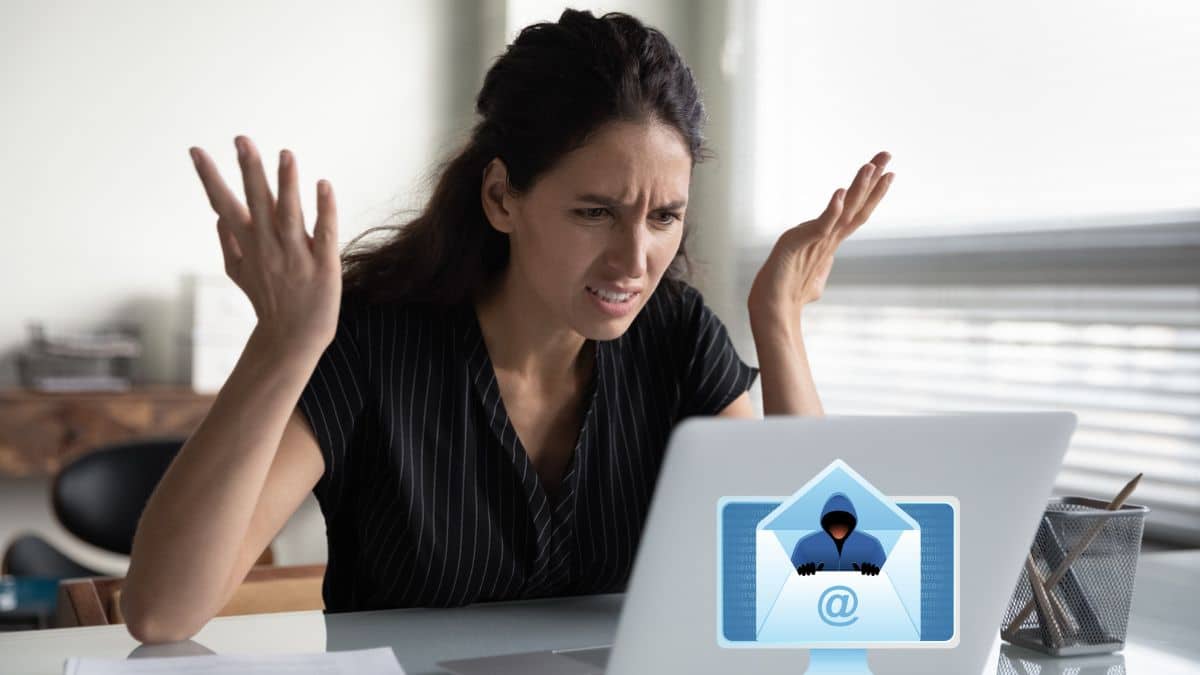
[(268, 354), (269, 343), (774, 321)]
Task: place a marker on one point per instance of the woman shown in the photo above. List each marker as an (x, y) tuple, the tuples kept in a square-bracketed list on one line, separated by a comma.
[(480, 404)]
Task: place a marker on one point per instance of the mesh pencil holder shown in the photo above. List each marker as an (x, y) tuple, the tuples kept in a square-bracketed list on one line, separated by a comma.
[(1085, 558)]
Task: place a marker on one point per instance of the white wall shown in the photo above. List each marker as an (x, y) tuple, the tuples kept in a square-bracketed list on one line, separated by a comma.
[(103, 212), (1013, 115)]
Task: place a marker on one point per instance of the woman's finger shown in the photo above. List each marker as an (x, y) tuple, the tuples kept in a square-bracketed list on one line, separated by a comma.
[(231, 251), (858, 191), (289, 219), (220, 197), (877, 194), (854, 218), (864, 213), (325, 230), (833, 211), (258, 194), (232, 216), (880, 160), (866, 180)]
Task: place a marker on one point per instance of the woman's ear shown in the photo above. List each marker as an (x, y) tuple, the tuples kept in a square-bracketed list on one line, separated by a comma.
[(497, 202)]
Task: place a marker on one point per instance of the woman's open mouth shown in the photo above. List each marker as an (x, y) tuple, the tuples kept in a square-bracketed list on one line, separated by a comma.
[(613, 303)]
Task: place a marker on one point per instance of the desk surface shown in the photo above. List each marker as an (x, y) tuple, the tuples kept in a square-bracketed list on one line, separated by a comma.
[(1162, 632)]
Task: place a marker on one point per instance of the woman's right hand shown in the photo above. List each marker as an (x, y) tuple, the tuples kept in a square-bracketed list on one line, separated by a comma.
[(293, 280)]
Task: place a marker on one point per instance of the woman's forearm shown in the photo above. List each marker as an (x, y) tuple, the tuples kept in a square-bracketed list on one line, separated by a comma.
[(193, 526), (787, 383), (794, 275)]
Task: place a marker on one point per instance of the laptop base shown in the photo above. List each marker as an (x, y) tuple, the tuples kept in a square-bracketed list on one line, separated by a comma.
[(587, 661)]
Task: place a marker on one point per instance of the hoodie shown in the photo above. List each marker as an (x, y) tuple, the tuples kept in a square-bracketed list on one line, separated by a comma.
[(820, 547)]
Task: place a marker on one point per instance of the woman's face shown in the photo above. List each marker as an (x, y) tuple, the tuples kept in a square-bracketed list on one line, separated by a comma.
[(593, 236)]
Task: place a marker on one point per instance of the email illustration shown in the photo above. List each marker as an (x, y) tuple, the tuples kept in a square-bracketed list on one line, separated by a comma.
[(837, 561)]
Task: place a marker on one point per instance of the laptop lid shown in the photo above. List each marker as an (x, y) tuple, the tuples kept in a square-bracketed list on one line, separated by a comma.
[(997, 468)]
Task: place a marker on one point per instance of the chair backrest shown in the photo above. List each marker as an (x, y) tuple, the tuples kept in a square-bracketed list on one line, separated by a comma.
[(100, 496), (96, 601)]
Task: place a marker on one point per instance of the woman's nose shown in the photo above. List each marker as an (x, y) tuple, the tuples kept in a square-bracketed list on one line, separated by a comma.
[(627, 249)]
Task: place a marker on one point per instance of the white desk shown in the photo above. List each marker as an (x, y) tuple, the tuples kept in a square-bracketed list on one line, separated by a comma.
[(1164, 632)]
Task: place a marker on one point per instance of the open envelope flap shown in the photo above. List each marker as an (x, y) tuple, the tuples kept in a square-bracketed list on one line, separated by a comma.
[(802, 511)]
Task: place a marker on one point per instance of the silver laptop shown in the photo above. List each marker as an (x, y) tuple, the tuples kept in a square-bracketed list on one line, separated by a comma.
[(996, 470)]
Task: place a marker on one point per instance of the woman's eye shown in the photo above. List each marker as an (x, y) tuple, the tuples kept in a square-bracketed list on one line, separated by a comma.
[(594, 212)]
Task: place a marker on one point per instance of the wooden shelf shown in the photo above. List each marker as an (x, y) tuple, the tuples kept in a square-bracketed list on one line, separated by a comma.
[(42, 431)]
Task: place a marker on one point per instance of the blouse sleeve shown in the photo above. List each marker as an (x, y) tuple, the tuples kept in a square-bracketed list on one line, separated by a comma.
[(712, 374), (334, 402)]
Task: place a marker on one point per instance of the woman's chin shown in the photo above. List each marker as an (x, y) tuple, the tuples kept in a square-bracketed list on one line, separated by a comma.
[(608, 329)]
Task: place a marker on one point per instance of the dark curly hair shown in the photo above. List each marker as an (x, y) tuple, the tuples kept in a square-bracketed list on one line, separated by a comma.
[(556, 84)]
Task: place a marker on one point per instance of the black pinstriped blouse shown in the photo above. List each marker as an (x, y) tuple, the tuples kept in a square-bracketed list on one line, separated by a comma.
[(428, 496)]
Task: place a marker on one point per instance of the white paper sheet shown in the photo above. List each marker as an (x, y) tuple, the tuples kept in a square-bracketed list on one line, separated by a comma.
[(377, 661)]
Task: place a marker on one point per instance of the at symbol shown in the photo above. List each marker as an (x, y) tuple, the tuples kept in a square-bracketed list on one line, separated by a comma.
[(837, 606)]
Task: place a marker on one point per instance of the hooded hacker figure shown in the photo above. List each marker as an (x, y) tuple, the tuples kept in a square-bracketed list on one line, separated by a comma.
[(838, 546)]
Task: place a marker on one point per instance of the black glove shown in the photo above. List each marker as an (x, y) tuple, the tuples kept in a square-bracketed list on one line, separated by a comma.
[(867, 568), (809, 568)]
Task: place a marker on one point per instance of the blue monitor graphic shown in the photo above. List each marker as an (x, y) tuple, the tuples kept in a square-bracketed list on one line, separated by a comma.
[(837, 568)]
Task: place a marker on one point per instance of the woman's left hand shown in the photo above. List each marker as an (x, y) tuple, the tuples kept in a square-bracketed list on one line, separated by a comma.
[(795, 272)]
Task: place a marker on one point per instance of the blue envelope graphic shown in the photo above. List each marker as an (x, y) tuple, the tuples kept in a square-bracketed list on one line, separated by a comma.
[(837, 604)]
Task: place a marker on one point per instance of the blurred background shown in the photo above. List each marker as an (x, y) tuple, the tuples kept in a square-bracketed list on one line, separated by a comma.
[(1038, 250)]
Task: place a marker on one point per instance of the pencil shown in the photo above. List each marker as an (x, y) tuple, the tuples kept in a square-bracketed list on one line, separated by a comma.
[(1051, 629), (1061, 570)]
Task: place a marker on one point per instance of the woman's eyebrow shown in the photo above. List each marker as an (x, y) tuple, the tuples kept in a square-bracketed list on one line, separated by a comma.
[(610, 202)]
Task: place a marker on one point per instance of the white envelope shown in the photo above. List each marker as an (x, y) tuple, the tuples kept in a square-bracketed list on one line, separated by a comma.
[(835, 607)]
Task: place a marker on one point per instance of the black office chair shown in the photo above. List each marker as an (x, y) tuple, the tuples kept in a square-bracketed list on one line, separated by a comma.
[(28, 555), (98, 498)]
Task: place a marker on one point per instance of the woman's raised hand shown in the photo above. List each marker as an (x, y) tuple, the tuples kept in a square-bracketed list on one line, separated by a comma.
[(293, 280), (795, 272)]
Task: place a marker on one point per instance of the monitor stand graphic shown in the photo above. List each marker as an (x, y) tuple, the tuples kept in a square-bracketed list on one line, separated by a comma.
[(837, 661)]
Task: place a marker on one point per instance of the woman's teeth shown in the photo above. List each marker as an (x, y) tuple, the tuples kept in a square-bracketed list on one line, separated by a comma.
[(610, 297)]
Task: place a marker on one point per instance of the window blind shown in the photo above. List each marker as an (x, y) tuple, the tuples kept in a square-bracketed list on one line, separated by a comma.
[(974, 327)]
